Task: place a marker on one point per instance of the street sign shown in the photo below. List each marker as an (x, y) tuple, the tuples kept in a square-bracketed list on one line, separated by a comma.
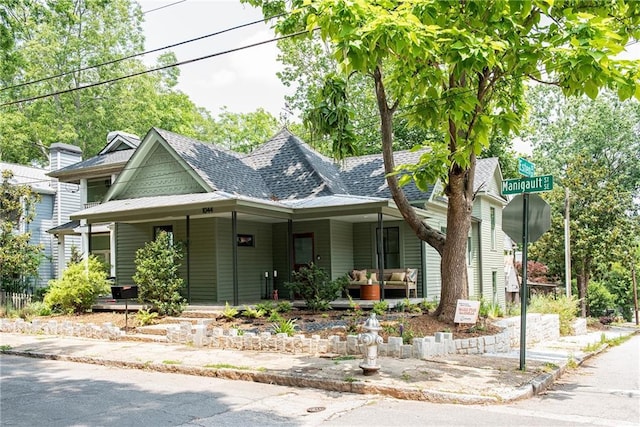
[(525, 219), (539, 218), (526, 168), (535, 184)]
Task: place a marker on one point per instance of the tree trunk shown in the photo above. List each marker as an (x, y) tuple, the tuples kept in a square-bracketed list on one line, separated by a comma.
[(583, 284), (453, 263)]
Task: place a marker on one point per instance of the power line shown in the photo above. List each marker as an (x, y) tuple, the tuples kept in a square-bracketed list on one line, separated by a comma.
[(163, 7), (175, 64), (124, 58)]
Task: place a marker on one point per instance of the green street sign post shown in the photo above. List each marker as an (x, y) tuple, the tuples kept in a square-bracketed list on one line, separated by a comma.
[(534, 184), (542, 221), (526, 168)]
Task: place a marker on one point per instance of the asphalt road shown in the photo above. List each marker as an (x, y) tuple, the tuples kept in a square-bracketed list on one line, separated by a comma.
[(604, 391)]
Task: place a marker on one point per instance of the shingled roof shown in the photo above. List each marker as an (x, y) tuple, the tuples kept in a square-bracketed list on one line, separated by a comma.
[(365, 175), (293, 170), (221, 169)]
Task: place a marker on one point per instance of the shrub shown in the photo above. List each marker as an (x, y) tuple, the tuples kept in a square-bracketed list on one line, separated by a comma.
[(78, 288), (599, 299), (146, 317), (252, 312), (283, 326), (427, 306), (36, 308), (157, 277), (565, 307), (267, 307), (380, 308), (229, 312), (284, 307), (313, 285)]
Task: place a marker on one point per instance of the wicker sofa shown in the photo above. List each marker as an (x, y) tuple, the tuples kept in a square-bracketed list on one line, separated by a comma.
[(394, 278)]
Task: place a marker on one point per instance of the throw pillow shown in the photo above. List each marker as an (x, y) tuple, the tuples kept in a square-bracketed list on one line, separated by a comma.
[(412, 274), (374, 277), (361, 275), (397, 277)]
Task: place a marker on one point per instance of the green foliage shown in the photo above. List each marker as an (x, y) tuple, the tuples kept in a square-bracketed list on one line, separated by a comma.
[(600, 300), (36, 308), (406, 306), (275, 317), (267, 307), (427, 306), (146, 317), (489, 310), (242, 132), (157, 276), (380, 308), (78, 288), (566, 308), (229, 312), (355, 316), (253, 313), (19, 259), (313, 285), (284, 326), (284, 307)]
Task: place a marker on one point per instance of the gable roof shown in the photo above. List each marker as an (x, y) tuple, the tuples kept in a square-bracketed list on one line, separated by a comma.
[(221, 169), (34, 177), (291, 169)]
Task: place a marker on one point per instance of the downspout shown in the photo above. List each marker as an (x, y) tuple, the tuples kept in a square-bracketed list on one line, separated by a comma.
[(234, 254), (423, 264), (188, 259)]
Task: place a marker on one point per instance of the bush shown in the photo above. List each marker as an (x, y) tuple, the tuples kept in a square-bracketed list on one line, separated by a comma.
[(599, 299), (380, 308), (313, 285), (565, 307), (157, 277), (78, 288)]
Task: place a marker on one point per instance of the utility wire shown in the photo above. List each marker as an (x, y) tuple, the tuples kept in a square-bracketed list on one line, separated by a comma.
[(163, 7), (175, 64), (124, 58)]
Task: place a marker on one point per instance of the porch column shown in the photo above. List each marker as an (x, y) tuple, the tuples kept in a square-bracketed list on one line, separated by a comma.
[(88, 240), (379, 239), (112, 249), (61, 255), (188, 219), (290, 248), (234, 254)]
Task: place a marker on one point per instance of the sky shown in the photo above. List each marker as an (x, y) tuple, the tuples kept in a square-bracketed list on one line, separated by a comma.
[(242, 81)]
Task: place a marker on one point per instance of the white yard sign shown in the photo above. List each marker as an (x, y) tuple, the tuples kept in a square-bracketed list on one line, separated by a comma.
[(467, 311)]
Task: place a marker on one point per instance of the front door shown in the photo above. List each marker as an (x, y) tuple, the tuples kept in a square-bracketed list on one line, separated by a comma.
[(302, 250)]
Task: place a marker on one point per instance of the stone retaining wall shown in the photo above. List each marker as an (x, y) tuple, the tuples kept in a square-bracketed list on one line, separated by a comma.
[(539, 327)]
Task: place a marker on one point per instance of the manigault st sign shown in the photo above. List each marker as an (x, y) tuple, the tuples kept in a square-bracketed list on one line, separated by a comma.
[(535, 184)]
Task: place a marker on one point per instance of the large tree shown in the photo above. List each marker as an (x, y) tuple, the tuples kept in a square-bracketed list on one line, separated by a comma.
[(591, 147), (460, 67), (56, 46)]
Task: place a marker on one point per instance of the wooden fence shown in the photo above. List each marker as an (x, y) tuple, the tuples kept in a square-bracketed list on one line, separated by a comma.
[(14, 300)]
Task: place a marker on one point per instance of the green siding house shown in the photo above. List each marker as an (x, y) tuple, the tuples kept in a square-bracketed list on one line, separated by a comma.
[(249, 220)]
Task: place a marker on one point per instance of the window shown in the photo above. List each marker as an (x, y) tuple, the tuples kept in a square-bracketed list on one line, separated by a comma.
[(493, 228), (245, 240), (390, 246), (97, 189), (469, 251), (166, 228), (302, 250)]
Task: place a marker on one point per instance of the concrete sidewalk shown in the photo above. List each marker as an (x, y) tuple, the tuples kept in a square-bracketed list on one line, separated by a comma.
[(466, 379)]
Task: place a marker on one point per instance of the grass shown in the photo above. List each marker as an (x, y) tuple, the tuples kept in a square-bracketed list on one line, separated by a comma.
[(350, 379), (5, 347), (172, 362), (341, 358)]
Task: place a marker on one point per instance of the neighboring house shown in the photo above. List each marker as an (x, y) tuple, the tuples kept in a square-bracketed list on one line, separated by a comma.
[(249, 220), (93, 177), (57, 201)]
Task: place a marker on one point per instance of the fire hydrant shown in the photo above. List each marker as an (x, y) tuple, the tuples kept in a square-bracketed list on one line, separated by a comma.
[(370, 340)]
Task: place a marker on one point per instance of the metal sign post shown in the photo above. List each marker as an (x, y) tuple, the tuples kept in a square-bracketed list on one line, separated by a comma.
[(523, 288)]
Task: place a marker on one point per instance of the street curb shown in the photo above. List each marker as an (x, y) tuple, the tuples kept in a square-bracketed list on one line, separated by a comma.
[(291, 380)]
